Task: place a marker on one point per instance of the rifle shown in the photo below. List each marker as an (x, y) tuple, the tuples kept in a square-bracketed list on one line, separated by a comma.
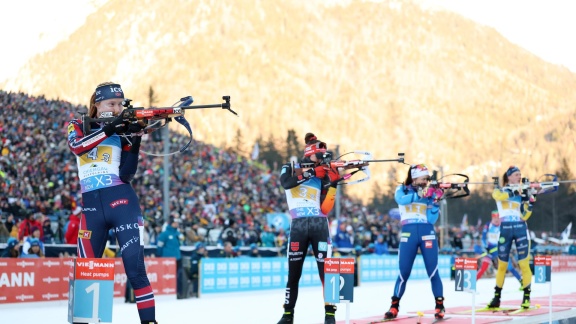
[(155, 115), (453, 190), (360, 165), (538, 188)]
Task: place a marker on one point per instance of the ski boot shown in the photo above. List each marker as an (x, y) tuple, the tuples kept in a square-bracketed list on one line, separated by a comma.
[(393, 311), (288, 316), (439, 309), (495, 302), (330, 317), (526, 298)]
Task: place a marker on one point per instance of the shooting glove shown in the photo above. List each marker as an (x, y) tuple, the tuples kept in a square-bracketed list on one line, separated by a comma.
[(428, 193), (116, 126), (531, 195), (420, 191), (333, 175), (319, 172), (437, 195), (516, 190), (136, 127)]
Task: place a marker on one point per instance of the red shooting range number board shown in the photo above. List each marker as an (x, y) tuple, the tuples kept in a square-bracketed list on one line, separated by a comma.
[(466, 264), (99, 269), (543, 260), (339, 265)]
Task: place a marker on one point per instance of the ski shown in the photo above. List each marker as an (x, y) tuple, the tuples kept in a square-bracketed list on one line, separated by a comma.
[(438, 320), (520, 310), (385, 320), (486, 309)]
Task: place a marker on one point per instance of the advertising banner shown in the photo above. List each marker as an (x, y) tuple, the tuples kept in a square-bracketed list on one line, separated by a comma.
[(30, 280)]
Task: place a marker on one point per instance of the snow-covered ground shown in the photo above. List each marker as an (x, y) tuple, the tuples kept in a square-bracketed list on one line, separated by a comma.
[(370, 299)]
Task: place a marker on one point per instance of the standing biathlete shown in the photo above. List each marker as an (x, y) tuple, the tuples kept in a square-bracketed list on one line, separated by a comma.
[(490, 237), (515, 207), (106, 165), (419, 210), (310, 195)]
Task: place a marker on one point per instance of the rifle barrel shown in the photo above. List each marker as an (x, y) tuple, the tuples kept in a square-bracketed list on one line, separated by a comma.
[(482, 183), (391, 160), (223, 106)]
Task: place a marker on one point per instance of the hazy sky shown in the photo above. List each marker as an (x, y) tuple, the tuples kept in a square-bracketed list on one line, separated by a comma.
[(543, 27)]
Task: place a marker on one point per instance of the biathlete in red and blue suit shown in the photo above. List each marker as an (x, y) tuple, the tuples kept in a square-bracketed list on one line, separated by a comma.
[(107, 163)]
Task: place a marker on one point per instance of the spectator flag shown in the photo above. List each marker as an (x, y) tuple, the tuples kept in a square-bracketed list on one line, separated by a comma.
[(255, 151), (566, 233), (464, 224)]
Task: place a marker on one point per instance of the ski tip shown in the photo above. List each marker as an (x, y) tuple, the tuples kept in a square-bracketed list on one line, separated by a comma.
[(537, 306)]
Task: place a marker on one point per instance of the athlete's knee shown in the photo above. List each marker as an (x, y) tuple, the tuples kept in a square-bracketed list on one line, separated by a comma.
[(405, 274), (502, 266)]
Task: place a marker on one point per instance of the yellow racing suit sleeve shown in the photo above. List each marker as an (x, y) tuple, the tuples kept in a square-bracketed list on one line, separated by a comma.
[(500, 195)]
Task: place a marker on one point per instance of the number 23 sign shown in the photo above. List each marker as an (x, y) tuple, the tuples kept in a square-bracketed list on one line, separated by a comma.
[(465, 275)]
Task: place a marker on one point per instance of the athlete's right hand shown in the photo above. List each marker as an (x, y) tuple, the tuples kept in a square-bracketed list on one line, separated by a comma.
[(516, 190), (421, 192), (319, 172), (116, 126)]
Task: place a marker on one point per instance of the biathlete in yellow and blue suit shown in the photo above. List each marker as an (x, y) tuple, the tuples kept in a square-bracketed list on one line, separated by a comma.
[(514, 207)]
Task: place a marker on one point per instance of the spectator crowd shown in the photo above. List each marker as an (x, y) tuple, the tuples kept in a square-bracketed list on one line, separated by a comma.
[(217, 197)]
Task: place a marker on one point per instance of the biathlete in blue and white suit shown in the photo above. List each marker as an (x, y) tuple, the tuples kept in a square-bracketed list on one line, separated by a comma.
[(419, 210), (515, 207), (106, 165)]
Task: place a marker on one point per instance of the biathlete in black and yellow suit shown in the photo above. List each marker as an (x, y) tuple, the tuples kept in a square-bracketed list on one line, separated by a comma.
[(514, 207)]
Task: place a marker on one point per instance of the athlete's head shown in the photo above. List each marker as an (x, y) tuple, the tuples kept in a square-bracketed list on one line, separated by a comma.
[(495, 218), (314, 149), (418, 175), (107, 98), (512, 175)]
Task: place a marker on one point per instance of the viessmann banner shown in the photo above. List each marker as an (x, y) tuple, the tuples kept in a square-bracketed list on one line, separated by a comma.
[(27, 280)]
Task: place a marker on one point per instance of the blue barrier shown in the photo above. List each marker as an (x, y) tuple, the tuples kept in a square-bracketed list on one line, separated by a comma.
[(245, 274), (374, 268)]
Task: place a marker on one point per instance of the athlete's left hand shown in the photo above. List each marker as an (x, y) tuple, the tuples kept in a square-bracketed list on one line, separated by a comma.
[(136, 128), (437, 195), (333, 175)]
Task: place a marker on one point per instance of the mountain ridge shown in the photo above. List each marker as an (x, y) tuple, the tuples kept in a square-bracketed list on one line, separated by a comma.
[(438, 87)]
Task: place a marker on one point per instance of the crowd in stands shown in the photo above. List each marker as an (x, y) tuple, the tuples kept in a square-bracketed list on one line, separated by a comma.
[(217, 197)]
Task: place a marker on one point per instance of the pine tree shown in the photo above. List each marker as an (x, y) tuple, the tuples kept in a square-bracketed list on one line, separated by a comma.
[(238, 143), (292, 145), (270, 153), (152, 98)]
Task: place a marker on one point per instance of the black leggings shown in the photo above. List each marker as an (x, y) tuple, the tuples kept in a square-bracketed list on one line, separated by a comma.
[(303, 232)]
